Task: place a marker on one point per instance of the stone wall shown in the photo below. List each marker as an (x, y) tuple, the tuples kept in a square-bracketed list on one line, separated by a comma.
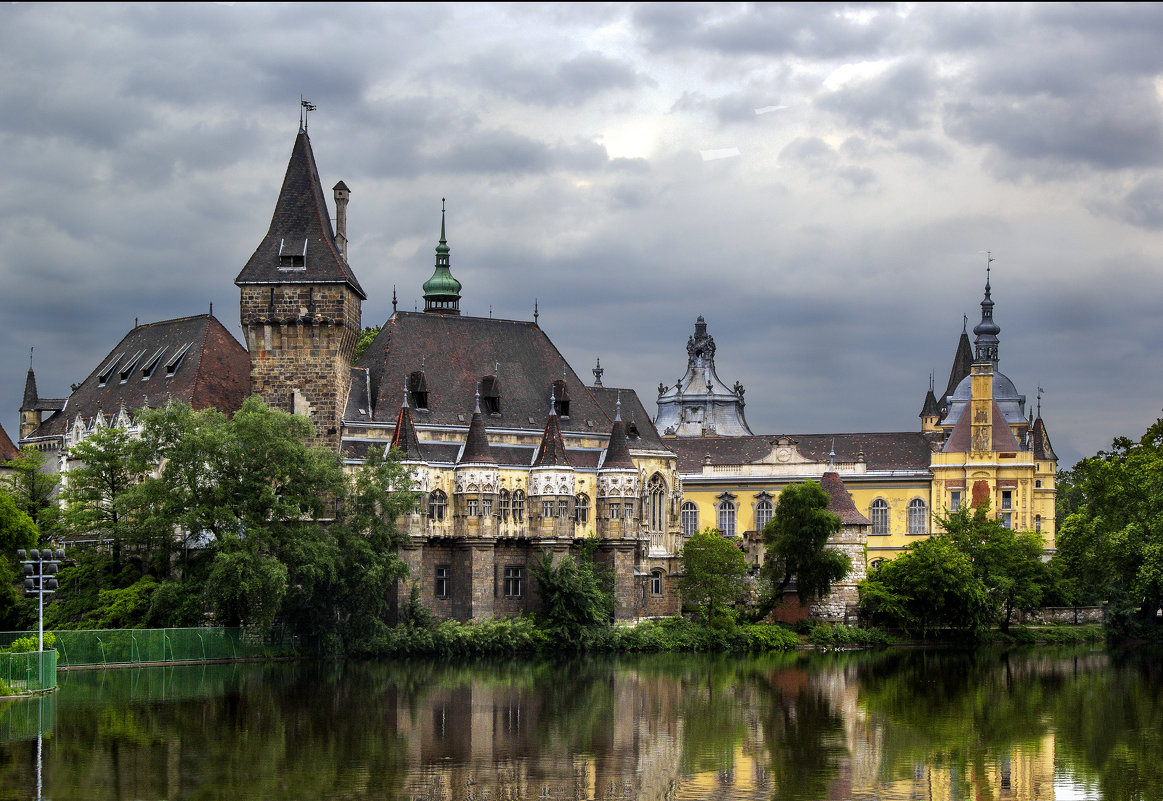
[(1065, 614)]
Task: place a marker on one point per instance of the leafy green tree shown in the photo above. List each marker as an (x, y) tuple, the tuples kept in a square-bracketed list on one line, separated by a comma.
[(99, 503), (930, 586), (575, 594), (1112, 545), (713, 572), (1008, 563), (16, 531), (34, 489), (366, 337), (796, 542)]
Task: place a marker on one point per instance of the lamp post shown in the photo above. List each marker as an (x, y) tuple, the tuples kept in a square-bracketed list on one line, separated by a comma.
[(40, 567)]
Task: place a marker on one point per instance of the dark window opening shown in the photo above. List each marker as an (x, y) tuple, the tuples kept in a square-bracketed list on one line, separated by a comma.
[(514, 582), (442, 572), (491, 395), (560, 399), (418, 390)]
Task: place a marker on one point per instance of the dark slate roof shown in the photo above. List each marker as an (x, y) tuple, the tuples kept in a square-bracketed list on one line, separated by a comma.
[(8, 450), (404, 437), (840, 503), (960, 440), (634, 413), (30, 393), (905, 450), (191, 359), (551, 451), (359, 404), (476, 446), (929, 409), (300, 215), (1042, 449), (456, 352), (962, 365)]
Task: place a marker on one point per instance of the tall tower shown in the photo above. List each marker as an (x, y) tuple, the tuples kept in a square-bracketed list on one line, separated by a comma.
[(301, 303)]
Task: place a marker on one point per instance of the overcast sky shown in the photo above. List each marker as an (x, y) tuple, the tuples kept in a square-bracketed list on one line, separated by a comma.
[(821, 182)]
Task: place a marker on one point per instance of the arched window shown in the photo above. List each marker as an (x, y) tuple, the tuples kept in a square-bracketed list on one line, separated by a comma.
[(918, 517), (879, 515), (762, 513), (876, 563), (518, 506), (656, 582), (690, 519), (657, 490), (727, 518), (437, 503), (505, 504), (583, 508)]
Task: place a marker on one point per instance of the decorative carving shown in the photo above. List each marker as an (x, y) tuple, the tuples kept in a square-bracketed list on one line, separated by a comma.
[(618, 485), (476, 480)]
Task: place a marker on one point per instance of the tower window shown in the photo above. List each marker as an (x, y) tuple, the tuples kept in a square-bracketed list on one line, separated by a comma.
[(879, 515), (418, 390), (547, 508), (289, 260), (490, 395), (656, 582), (442, 573), (918, 517), (1007, 499), (690, 519), (763, 513), (518, 506), (505, 503), (582, 509), (437, 503), (514, 581), (657, 490), (560, 399)]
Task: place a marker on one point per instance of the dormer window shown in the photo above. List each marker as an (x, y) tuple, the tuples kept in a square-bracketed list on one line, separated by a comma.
[(107, 371), (127, 367), (176, 361), (560, 399), (418, 390), (152, 362), (289, 256), (491, 395)]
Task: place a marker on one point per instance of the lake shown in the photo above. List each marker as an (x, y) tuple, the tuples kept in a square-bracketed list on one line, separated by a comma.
[(938, 725)]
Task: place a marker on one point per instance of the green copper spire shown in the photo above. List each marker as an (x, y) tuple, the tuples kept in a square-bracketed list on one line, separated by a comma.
[(442, 291)]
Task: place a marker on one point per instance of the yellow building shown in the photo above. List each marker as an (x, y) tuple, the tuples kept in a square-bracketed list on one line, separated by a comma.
[(976, 444)]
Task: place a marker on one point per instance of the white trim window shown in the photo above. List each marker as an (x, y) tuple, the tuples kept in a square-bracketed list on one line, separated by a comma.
[(727, 518), (763, 512), (878, 514), (918, 517), (690, 519)]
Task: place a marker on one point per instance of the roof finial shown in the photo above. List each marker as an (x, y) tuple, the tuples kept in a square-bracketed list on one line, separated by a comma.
[(404, 405), (496, 368), (211, 308), (618, 408), (477, 405), (30, 350), (930, 380), (832, 456), (964, 323), (552, 401), (1040, 391), (534, 311), (305, 107), (598, 371), (393, 298)]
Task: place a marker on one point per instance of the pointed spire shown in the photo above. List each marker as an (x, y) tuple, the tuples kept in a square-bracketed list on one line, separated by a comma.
[(476, 447), (618, 449), (985, 342), (535, 312), (300, 247), (31, 396), (404, 437), (551, 451), (442, 291), (962, 362)]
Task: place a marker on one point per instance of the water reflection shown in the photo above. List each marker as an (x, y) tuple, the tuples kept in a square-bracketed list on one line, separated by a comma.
[(921, 724)]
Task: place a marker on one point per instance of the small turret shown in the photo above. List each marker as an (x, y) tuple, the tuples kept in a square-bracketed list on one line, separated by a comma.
[(442, 291)]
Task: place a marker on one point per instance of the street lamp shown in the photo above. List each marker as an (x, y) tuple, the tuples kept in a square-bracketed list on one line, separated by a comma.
[(39, 569)]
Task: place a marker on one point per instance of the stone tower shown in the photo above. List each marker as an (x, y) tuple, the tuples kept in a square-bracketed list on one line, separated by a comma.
[(301, 303)]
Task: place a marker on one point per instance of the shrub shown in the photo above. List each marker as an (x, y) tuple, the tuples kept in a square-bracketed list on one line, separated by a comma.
[(25, 645)]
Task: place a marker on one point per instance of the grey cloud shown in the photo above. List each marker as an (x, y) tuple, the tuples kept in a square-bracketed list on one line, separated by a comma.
[(897, 100), (505, 152), (811, 152), (569, 83), (1143, 205), (806, 29), (1119, 128)]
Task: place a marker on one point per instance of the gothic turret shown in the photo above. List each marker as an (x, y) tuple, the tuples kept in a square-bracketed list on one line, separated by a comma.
[(618, 483), (985, 333), (551, 480), (301, 303), (442, 291)]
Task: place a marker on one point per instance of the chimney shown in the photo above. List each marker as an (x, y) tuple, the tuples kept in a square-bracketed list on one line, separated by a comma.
[(342, 194)]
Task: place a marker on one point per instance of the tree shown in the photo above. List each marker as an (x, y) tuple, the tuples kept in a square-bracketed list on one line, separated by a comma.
[(16, 531), (931, 585), (34, 490), (796, 541), (713, 571), (1008, 563), (1111, 547), (574, 593), (98, 501), (366, 337)]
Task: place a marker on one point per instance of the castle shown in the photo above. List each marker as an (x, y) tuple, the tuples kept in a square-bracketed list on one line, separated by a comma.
[(514, 456)]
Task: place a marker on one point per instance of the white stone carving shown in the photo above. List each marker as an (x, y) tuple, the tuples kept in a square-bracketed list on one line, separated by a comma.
[(475, 479), (618, 484)]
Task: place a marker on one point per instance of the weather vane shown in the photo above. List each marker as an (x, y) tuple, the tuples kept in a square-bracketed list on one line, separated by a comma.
[(305, 107)]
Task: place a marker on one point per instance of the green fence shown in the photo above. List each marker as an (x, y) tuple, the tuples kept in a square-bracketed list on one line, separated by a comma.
[(29, 672), (138, 646)]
